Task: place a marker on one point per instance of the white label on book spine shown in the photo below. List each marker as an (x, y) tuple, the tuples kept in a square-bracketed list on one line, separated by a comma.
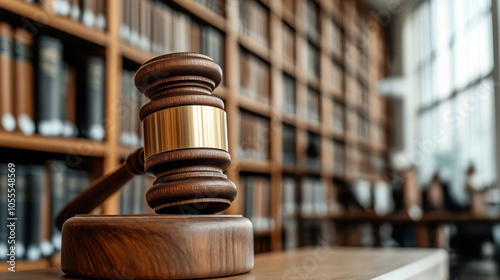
[(8, 122)]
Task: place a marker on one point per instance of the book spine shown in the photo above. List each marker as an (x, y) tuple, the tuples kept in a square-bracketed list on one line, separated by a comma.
[(50, 107), (100, 17), (7, 119), (75, 10), (89, 9), (4, 231), (125, 199), (21, 213), (34, 204), (125, 24), (125, 109), (70, 129), (95, 99), (23, 83), (57, 181), (138, 197)]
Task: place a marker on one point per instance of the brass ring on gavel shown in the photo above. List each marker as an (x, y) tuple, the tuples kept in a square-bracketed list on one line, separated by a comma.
[(184, 127)]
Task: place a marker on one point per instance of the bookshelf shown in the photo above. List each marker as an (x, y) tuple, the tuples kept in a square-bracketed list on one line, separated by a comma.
[(332, 57)]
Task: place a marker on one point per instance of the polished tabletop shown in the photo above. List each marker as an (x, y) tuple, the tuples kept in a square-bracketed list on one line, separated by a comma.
[(318, 263)]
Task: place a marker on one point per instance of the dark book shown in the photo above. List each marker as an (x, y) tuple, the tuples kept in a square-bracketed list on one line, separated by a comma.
[(288, 43), (70, 129), (246, 182), (7, 119), (50, 106), (126, 199), (289, 96), (23, 83), (35, 201), (313, 151), (57, 181), (93, 126), (138, 195), (212, 43), (4, 231), (126, 110), (21, 210), (288, 145)]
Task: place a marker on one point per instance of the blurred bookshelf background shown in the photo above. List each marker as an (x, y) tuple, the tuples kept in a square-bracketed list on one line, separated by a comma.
[(351, 123)]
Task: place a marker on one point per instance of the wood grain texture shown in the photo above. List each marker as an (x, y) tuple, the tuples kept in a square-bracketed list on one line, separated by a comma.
[(189, 180), (157, 246), (323, 263)]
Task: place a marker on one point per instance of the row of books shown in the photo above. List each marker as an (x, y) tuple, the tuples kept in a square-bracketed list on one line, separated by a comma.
[(313, 105), (289, 146), (358, 125), (339, 158), (40, 193), (91, 13), (254, 20), (311, 60), (216, 6), (313, 151), (254, 77), (132, 196), (289, 95), (156, 27), (312, 20), (333, 35), (335, 77), (336, 148), (317, 198), (357, 63), (254, 136), (338, 117), (257, 201), (360, 161), (40, 91), (131, 131), (288, 43)]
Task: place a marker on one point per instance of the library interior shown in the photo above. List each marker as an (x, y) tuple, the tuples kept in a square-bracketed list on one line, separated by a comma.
[(250, 139)]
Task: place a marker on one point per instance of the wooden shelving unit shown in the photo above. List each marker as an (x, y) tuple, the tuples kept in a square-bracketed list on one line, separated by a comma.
[(118, 53)]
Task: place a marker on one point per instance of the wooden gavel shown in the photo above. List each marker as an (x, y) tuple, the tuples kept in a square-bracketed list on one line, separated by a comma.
[(185, 148)]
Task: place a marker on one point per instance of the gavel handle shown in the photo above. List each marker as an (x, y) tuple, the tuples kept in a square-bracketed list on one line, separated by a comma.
[(103, 188)]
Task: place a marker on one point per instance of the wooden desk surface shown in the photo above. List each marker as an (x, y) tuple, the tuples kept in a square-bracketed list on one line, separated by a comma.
[(320, 263)]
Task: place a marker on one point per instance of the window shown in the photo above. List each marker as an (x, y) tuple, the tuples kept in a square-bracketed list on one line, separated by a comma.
[(452, 63)]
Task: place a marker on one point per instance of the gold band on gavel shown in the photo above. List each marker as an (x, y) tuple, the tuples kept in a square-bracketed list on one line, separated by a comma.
[(184, 127)]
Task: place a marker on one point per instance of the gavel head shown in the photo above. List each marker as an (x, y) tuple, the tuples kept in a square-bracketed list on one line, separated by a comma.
[(185, 137)]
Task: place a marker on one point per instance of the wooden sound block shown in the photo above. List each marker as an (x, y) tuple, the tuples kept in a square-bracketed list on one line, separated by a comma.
[(156, 246)]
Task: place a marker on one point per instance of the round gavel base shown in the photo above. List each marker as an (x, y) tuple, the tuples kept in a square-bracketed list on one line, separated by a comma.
[(156, 246)]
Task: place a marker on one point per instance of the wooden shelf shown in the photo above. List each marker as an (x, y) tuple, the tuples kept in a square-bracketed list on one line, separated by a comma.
[(254, 47), (59, 145), (261, 233), (35, 13), (255, 166), (203, 13), (254, 106), (136, 55)]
